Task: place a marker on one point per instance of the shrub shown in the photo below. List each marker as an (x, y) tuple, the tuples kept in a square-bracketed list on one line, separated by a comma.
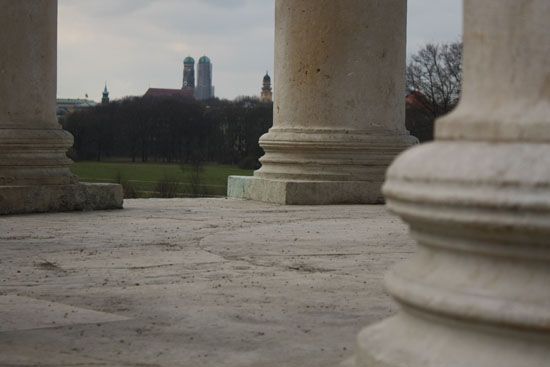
[(128, 188), (168, 187), (250, 162)]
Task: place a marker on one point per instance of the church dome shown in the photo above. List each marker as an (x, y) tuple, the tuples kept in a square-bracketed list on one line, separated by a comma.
[(189, 60), (204, 60), (267, 78)]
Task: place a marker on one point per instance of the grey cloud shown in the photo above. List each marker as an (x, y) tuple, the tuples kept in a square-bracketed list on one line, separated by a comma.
[(102, 8), (134, 44), (226, 3), (433, 21)]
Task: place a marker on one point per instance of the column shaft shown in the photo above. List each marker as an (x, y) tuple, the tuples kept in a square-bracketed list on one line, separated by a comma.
[(34, 168), (340, 65), (32, 144), (478, 203), (339, 103)]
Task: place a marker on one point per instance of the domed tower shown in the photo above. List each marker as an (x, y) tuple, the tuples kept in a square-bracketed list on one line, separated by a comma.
[(105, 98), (267, 92), (204, 90), (189, 76)]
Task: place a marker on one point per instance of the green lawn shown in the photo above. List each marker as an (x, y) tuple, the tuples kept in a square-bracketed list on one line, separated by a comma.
[(144, 177)]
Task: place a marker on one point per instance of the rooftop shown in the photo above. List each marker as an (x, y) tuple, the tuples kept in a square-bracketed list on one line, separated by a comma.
[(194, 282), (75, 102)]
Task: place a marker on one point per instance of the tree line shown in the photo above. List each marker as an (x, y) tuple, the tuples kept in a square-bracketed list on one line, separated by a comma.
[(172, 130), (183, 130)]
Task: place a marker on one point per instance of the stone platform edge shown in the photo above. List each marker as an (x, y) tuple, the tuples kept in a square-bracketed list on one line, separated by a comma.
[(296, 192), (60, 198)]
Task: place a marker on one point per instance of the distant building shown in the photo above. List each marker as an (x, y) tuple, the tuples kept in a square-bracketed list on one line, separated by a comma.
[(416, 99), (204, 89), (189, 75), (66, 106), (267, 92), (105, 98), (419, 117)]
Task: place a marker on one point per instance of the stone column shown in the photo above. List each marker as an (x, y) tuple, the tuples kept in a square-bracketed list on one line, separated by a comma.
[(339, 111), (477, 292), (34, 169)]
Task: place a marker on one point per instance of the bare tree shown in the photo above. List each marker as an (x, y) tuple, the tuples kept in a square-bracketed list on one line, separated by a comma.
[(436, 72)]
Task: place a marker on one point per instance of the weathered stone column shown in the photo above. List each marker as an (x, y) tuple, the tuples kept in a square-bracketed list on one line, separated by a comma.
[(34, 169), (339, 103), (477, 292)]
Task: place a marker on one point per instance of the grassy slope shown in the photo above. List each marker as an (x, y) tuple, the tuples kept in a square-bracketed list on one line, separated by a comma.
[(145, 175)]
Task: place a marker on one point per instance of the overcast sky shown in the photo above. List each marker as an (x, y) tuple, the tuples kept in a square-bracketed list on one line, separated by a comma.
[(137, 44)]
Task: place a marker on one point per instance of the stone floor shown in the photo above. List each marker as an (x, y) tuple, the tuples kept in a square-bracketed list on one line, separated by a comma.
[(194, 282)]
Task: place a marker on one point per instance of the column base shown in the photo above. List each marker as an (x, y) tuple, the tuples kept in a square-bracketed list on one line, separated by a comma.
[(59, 198), (411, 340), (475, 293), (298, 192)]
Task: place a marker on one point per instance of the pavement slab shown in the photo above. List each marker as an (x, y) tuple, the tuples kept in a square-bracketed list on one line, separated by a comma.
[(194, 283)]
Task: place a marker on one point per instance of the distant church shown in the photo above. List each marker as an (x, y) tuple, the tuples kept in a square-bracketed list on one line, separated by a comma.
[(189, 76), (105, 95), (204, 90), (267, 93)]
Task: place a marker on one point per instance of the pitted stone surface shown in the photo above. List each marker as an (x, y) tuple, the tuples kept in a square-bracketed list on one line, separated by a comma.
[(24, 313), (201, 282), (60, 198), (292, 192)]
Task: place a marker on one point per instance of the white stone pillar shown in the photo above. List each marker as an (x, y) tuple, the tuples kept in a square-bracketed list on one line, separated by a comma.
[(339, 103), (477, 292), (34, 169)]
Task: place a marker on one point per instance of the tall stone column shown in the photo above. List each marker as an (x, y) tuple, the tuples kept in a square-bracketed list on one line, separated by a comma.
[(34, 169), (477, 292), (339, 112)]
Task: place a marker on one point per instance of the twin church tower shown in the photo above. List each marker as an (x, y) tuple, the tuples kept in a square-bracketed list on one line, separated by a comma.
[(204, 89), (201, 88)]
